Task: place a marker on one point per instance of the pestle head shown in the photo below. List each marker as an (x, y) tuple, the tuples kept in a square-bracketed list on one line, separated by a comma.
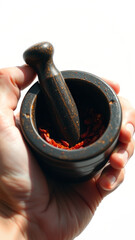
[(38, 53), (62, 107)]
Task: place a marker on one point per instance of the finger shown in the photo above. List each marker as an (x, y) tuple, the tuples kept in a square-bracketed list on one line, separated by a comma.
[(126, 133), (122, 154), (127, 129), (11, 81), (110, 179), (128, 122), (114, 85)]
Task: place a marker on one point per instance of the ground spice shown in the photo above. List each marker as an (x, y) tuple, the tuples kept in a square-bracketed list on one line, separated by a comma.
[(93, 128)]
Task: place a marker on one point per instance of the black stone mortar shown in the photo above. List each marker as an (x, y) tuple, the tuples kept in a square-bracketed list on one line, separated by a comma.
[(81, 164)]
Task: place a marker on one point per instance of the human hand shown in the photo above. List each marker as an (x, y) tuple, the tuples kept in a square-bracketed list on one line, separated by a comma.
[(32, 206)]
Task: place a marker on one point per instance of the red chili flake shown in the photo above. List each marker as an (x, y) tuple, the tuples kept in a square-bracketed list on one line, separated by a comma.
[(65, 143), (94, 129), (41, 130), (47, 138), (78, 145), (54, 143), (59, 145)]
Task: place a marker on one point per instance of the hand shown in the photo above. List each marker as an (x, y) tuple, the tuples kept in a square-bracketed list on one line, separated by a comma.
[(31, 207)]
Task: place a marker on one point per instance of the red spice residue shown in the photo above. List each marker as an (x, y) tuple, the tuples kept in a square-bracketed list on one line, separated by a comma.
[(94, 128)]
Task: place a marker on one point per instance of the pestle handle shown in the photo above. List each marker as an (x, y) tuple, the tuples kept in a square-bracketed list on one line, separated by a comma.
[(63, 108)]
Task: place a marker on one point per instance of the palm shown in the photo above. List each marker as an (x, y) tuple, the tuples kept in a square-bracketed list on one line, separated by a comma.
[(32, 195)]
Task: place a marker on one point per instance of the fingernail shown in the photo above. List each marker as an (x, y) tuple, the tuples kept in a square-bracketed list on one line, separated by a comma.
[(124, 155), (130, 128), (107, 182)]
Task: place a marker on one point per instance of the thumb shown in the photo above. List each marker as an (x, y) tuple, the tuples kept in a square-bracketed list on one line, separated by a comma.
[(12, 80), (23, 76)]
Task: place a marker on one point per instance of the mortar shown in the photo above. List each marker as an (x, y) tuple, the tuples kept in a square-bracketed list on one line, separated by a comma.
[(80, 164)]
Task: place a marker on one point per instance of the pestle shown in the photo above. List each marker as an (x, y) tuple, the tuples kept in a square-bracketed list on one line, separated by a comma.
[(62, 107)]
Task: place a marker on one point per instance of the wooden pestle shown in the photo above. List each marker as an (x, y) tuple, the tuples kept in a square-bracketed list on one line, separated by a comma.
[(63, 109)]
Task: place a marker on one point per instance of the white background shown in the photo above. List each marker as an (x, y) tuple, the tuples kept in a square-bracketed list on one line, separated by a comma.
[(96, 36)]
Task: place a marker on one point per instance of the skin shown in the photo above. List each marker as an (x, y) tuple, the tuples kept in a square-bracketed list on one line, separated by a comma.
[(32, 206)]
